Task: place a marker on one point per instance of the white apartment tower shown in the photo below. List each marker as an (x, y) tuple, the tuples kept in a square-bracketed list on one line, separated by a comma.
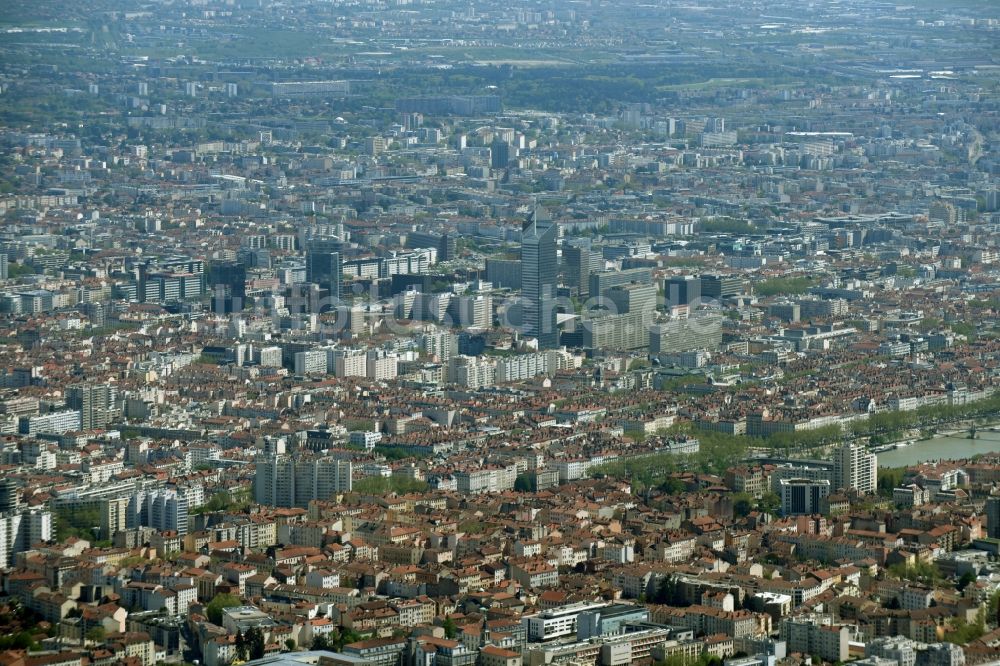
[(287, 481), (854, 468)]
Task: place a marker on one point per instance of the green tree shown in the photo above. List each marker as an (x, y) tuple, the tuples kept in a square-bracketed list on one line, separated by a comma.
[(215, 606), (450, 630), (769, 502), (662, 592), (926, 573), (22, 640), (889, 478), (95, 634), (320, 642), (241, 646), (967, 578), (345, 637), (255, 643), (742, 504), (964, 632), (290, 645)]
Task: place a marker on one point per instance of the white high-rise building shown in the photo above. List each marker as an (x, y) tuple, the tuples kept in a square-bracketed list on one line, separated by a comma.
[(440, 344), (288, 481), (310, 362), (472, 371), (854, 468), (268, 356), (164, 510), (20, 531), (382, 365), (95, 402), (347, 362)]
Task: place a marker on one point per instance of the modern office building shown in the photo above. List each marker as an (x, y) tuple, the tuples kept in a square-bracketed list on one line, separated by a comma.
[(557, 622), (323, 268), (459, 105), (632, 298), (619, 332), (597, 622), (500, 154), (993, 516), (802, 496), (579, 262), (504, 273), (538, 279), (699, 331), (604, 280), (445, 244), (720, 286), (227, 285), (682, 290), (310, 88)]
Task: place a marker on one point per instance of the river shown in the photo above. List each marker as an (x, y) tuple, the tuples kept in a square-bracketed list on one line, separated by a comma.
[(948, 448)]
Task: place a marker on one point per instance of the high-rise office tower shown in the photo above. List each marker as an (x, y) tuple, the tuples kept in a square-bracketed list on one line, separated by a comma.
[(445, 244), (601, 281), (854, 468), (682, 290), (577, 263), (993, 516), (538, 279), (95, 402), (632, 298), (802, 496), (500, 153), (720, 286), (227, 284), (323, 268)]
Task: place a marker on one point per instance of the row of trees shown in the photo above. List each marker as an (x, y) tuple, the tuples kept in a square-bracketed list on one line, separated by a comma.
[(889, 425)]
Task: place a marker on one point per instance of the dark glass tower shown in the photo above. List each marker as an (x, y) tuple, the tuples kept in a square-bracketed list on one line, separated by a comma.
[(323, 267), (538, 279)]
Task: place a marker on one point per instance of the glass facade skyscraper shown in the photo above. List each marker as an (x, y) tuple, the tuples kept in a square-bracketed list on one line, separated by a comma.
[(538, 279)]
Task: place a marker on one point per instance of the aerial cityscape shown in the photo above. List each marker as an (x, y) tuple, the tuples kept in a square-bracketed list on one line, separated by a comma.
[(527, 333)]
